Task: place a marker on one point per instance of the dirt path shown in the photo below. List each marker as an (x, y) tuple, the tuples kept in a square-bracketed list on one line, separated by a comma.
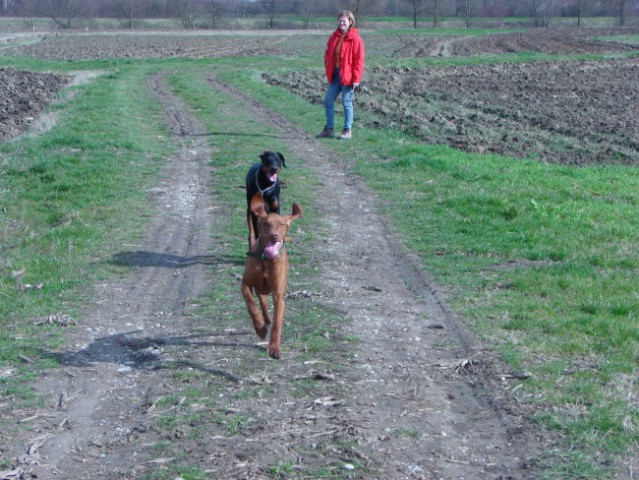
[(413, 411)]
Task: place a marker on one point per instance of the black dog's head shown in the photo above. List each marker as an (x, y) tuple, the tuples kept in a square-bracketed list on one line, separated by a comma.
[(272, 163)]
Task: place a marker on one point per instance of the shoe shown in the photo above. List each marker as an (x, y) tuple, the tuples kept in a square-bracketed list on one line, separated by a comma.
[(346, 135), (326, 133)]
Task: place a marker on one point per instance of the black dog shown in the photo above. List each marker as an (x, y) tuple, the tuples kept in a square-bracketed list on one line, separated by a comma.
[(262, 178)]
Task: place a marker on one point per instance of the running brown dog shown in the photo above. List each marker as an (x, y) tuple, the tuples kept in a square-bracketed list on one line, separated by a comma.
[(266, 271)]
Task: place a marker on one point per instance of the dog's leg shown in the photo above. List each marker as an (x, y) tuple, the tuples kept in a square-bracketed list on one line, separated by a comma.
[(264, 307), (274, 349), (258, 322), (252, 240)]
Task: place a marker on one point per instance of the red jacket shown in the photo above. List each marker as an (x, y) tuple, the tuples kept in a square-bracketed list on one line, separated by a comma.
[(352, 54)]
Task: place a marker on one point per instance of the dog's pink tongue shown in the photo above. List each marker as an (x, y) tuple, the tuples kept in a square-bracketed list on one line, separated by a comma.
[(271, 249), (272, 177)]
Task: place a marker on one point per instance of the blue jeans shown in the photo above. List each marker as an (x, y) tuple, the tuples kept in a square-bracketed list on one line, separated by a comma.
[(333, 90)]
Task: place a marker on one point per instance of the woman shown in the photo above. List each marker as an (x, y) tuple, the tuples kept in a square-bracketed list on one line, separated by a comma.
[(344, 63)]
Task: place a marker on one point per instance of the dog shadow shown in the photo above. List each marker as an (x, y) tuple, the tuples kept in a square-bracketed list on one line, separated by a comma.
[(142, 258), (145, 353)]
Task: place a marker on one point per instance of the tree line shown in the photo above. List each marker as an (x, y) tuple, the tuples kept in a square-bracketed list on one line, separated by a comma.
[(195, 13)]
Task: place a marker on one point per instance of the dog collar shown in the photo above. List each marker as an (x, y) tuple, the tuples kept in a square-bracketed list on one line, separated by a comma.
[(259, 255), (257, 184)]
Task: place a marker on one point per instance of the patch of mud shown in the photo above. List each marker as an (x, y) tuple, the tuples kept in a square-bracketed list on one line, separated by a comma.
[(23, 97), (547, 40), (140, 45)]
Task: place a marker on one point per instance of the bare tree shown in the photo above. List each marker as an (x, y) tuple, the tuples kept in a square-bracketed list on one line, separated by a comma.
[(62, 12), (270, 6), (415, 6), (622, 12), (29, 8), (128, 8), (468, 7), (354, 6), (185, 12), (217, 10), (580, 5), (305, 9), (540, 10), (436, 12), (365, 7)]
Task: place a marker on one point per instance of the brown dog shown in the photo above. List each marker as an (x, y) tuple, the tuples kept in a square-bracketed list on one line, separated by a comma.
[(266, 271)]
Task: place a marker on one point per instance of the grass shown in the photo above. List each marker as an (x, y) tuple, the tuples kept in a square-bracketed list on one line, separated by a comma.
[(634, 39), (540, 260), (406, 432)]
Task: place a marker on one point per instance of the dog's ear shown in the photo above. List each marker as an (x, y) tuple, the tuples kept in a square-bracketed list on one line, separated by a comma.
[(263, 156), (257, 205), (281, 159), (296, 212)]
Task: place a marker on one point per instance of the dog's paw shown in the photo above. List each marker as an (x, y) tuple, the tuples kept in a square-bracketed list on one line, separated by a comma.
[(262, 331), (276, 354)]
